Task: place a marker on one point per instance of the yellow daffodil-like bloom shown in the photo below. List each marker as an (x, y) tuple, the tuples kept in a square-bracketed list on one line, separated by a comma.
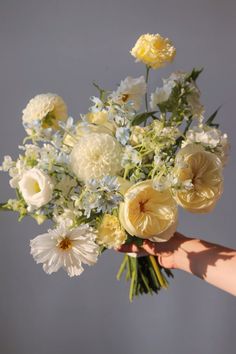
[(48, 108), (204, 170), (154, 50), (110, 233), (148, 213)]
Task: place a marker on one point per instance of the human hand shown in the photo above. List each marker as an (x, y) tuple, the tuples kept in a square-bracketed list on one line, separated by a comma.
[(166, 252)]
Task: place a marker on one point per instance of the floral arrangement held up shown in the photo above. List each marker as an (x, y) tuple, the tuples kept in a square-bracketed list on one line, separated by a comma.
[(119, 174)]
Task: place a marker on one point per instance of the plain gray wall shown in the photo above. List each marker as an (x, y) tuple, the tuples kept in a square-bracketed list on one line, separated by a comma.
[(62, 46)]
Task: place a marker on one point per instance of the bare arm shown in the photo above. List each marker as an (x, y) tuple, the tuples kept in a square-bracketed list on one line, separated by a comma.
[(213, 263)]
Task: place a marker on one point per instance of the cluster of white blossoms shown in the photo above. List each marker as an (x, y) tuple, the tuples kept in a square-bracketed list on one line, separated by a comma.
[(118, 174)]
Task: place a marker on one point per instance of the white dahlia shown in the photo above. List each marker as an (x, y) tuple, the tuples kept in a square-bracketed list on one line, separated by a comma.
[(48, 108), (95, 156), (68, 249)]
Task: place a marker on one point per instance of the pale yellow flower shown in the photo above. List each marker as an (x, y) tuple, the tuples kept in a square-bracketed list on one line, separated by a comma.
[(48, 108), (110, 233), (124, 184), (95, 156), (148, 213), (153, 50), (84, 129), (204, 170), (100, 118), (137, 134)]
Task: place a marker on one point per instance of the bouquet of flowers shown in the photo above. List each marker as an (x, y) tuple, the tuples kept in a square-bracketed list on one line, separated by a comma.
[(118, 174)]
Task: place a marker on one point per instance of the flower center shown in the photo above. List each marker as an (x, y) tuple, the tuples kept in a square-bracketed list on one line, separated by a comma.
[(65, 244), (125, 97), (142, 206), (36, 187), (48, 121)]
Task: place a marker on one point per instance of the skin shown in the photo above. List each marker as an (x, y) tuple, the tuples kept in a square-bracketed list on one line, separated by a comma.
[(213, 263)]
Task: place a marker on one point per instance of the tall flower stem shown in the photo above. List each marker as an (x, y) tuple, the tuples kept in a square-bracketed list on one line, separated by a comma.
[(146, 80)]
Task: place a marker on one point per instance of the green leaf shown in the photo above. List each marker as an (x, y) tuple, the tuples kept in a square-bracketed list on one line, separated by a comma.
[(3, 206), (193, 75), (142, 117), (210, 120), (101, 91)]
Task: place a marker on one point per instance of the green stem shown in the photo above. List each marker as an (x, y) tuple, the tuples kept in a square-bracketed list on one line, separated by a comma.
[(133, 283), (158, 272), (146, 80), (122, 267)]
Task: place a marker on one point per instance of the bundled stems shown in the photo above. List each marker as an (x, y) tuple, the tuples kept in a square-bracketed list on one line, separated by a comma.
[(144, 274)]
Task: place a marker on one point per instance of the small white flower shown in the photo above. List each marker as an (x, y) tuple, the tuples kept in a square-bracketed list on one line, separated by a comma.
[(161, 95), (68, 217), (67, 249), (122, 135), (36, 188), (7, 164), (130, 90), (95, 156)]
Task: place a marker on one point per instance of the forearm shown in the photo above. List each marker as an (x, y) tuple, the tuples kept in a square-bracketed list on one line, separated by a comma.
[(213, 263)]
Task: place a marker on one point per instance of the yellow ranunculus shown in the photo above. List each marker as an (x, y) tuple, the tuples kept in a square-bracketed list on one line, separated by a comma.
[(110, 233), (204, 169), (153, 50), (148, 213)]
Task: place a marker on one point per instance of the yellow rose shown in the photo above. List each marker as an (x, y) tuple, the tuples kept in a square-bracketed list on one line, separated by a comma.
[(204, 169), (100, 118), (148, 213), (153, 50), (110, 233)]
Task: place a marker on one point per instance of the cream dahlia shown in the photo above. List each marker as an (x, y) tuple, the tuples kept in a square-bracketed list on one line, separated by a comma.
[(48, 108), (95, 156)]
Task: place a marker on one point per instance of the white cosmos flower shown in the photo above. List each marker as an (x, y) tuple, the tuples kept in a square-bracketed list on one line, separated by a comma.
[(131, 90), (36, 188), (64, 248), (95, 156)]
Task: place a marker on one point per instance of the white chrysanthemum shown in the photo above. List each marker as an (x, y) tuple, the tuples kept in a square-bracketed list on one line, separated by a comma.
[(95, 156), (68, 249), (131, 90), (47, 107)]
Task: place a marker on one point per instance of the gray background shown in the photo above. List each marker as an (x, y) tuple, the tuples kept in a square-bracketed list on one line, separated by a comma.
[(62, 46)]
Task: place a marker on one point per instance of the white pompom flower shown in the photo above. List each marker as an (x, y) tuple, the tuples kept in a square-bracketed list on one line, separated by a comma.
[(48, 108), (67, 249), (36, 188), (95, 156)]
